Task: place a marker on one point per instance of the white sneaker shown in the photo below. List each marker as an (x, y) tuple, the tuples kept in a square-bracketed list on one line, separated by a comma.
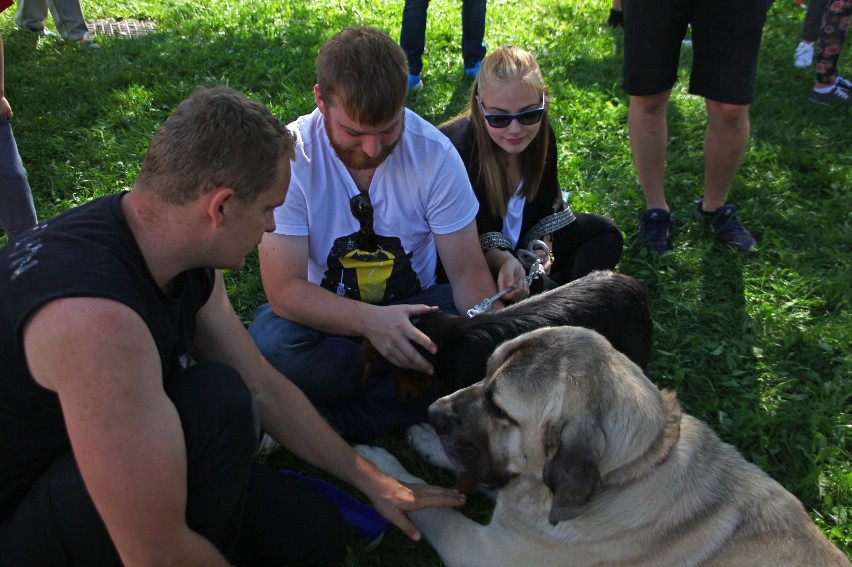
[(804, 55)]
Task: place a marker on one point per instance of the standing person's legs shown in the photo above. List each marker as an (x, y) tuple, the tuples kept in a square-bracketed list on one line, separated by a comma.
[(813, 19), (473, 32), (412, 37), (726, 38), (17, 212), (653, 32), (30, 14), (648, 131), (832, 36), (69, 20), (804, 54), (725, 143), (57, 524)]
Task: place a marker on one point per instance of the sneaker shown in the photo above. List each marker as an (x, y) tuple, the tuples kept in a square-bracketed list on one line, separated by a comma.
[(655, 230), (834, 96), (843, 83), (804, 55), (86, 42), (414, 83), (726, 227), (42, 31), (616, 19), (472, 72)]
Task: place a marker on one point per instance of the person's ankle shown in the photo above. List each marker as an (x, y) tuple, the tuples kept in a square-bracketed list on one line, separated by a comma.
[(820, 86)]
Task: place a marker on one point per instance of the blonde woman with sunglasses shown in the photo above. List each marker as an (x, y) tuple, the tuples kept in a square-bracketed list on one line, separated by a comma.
[(509, 149)]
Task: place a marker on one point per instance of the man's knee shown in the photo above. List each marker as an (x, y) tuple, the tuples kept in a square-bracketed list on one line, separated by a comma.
[(726, 114), (214, 402), (650, 104)]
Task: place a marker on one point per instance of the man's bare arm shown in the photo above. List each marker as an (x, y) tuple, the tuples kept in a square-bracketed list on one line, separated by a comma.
[(289, 417), (466, 267), (101, 360), (283, 264)]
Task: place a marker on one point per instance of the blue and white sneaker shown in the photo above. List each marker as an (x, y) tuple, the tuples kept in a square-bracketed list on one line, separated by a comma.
[(472, 72), (414, 83)]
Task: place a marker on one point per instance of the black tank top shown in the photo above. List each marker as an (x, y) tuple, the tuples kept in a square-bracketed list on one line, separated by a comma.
[(88, 251)]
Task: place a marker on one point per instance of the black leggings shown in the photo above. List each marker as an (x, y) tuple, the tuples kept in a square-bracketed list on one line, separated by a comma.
[(589, 243), (254, 515)]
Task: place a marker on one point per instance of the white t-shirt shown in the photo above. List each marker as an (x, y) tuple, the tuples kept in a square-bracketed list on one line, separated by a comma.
[(421, 189), (514, 218)]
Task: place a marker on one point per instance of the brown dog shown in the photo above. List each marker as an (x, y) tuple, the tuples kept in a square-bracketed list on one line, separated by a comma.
[(615, 305)]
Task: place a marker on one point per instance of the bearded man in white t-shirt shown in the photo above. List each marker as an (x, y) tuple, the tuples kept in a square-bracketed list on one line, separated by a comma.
[(377, 196)]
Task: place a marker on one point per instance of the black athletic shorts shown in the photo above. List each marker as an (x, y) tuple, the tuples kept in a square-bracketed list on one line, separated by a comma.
[(725, 43)]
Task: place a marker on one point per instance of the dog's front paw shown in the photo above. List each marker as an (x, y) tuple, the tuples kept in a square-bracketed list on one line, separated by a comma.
[(425, 441), (386, 462)]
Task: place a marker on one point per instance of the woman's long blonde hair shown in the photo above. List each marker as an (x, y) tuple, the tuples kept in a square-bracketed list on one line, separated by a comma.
[(507, 64)]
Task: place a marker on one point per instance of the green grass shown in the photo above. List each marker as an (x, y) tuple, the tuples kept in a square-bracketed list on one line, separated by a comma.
[(758, 346)]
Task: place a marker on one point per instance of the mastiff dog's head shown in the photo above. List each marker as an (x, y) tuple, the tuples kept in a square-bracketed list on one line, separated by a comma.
[(562, 404)]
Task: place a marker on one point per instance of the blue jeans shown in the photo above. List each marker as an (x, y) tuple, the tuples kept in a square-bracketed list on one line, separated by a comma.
[(328, 370), (412, 37), (17, 213)]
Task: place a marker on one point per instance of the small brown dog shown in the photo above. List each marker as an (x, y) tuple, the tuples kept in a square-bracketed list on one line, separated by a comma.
[(615, 305)]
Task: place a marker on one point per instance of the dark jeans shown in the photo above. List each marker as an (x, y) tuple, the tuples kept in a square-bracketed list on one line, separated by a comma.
[(412, 37), (328, 369), (253, 514), (813, 19)]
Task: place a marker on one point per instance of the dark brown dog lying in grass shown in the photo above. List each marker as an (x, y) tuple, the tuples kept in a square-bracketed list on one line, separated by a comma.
[(614, 305)]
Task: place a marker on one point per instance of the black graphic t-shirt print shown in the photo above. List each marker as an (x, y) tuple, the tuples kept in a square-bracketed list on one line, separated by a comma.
[(376, 276)]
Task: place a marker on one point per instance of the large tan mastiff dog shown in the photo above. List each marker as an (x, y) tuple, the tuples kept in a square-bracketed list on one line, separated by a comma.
[(598, 467)]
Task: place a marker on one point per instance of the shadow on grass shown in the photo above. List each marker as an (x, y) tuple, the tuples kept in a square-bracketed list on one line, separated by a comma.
[(60, 116)]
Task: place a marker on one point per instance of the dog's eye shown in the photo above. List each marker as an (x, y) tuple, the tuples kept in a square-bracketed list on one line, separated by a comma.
[(496, 410)]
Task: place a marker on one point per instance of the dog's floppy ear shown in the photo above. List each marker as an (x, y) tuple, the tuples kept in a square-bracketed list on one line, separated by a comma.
[(571, 469)]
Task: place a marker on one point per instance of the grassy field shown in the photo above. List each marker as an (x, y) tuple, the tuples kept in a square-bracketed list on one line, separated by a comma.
[(756, 345)]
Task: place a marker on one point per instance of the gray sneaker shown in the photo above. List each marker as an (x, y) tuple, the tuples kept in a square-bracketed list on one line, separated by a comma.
[(836, 96), (726, 227)]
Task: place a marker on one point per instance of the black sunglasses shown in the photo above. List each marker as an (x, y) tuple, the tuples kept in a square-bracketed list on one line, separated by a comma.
[(525, 118), (362, 210)]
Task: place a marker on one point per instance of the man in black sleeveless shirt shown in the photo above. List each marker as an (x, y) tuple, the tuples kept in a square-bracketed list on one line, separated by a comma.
[(132, 397)]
